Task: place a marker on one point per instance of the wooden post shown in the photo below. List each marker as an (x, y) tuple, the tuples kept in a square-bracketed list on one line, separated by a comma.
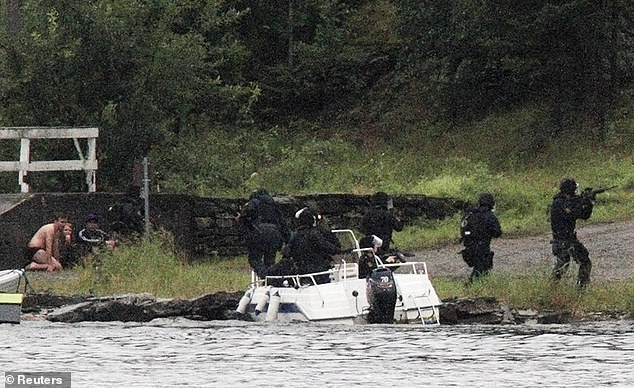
[(91, 175), (24, 166), (146, 196), (25, 158)]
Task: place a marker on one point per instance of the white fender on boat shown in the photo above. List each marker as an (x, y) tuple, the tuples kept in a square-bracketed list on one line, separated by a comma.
[(244, 301), (274, 306), (262, 303)]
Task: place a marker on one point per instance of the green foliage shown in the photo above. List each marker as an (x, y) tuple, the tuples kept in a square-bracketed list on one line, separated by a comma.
[(152, 74), (305, 56), (535, 290), (130, 67), (294, 162), (491, 55), (428, 233), (153, 266)]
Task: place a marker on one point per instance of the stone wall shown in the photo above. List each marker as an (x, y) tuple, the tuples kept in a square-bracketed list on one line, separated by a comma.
[(202, 227)]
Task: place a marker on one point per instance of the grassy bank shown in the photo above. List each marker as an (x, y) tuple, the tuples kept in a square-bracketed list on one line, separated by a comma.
[(510, 155), (535, 290), (154, 267)]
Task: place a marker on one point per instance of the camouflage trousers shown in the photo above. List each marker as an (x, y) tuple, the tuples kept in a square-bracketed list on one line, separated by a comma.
[(564, 250)]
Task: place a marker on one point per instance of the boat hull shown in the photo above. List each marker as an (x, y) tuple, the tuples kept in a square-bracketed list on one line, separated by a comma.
[(343, 301), (10, 279)]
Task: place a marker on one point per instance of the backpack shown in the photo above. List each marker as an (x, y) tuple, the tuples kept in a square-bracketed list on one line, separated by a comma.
[(472, 226)]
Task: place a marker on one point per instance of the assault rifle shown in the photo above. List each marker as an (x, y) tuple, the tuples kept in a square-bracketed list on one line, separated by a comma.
[(591, 193)]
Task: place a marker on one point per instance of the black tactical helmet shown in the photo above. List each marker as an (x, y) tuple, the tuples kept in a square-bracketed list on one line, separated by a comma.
[(568, 186), (306, 217), (486, 199)]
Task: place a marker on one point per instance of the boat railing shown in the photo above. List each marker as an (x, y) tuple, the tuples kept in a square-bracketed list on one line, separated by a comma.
[(340, 272), (352, 236), (414, 267), (297, 280)]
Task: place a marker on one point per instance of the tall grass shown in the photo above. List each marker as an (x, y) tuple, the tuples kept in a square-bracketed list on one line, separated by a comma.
[(154, 266), (535, 290)]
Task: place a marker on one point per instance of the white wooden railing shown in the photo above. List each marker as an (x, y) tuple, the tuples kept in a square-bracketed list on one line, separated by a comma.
[(87, 162)]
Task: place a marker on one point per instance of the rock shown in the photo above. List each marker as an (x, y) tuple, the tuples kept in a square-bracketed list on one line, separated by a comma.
[(69, 314), (125, 308), (527, 316), (144, 308), (550, 317), (222, 305), (508, 316), (448, 315), (217, 306), (35, 302), (484, 310)]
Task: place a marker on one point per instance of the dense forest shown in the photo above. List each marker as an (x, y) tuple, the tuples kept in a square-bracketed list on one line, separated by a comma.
[(193, 83)]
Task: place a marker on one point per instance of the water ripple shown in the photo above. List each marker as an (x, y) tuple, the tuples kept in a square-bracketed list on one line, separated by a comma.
[(166, 353)]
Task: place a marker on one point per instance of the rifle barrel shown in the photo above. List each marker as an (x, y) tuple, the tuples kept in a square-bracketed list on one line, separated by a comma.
[(599, 190)]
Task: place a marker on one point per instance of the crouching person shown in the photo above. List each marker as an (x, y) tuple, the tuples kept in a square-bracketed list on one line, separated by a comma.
[(43, 250)]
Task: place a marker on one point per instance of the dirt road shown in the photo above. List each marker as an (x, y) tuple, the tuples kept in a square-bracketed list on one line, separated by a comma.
[(611, 249)]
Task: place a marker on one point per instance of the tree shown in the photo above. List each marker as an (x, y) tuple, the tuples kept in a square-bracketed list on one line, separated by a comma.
[(583, 49), (494, 54), (142, 70), (303, 56)]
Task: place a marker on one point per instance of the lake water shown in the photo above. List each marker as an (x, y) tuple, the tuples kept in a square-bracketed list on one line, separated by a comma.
[(180, 352)]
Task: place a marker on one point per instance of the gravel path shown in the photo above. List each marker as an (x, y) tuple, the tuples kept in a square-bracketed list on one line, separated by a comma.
[(611, 248)]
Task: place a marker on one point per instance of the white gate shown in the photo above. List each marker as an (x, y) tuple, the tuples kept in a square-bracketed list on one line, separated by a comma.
[(87, 162)]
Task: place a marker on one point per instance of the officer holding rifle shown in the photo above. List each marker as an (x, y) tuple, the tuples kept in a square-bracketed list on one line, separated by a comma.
[(568, 207)]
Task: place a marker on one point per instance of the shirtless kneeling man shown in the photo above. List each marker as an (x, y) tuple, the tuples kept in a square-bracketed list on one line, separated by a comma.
[(43, 248)]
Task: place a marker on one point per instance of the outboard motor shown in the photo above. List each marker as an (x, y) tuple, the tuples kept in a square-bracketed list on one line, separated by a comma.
[(381, 293)]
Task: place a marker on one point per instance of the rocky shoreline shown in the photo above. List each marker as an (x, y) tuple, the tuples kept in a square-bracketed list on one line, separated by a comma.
[(128, 307), (221, 306)]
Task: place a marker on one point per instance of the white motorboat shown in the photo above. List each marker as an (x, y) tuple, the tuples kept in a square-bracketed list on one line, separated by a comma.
[(10, 279), (392, 293)]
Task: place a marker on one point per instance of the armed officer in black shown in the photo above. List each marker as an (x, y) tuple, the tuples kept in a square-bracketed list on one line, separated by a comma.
[(309, 250), (269, 213), (264, 230), (568, 207), (477, 230), (381, 221)]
